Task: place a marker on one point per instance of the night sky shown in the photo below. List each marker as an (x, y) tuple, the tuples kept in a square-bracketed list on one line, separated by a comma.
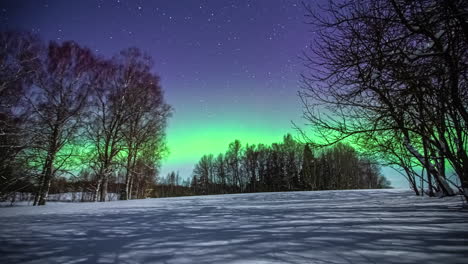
[(230, 69)]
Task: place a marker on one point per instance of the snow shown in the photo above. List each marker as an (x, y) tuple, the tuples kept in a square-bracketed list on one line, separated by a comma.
[(371, 226), (28, 198)]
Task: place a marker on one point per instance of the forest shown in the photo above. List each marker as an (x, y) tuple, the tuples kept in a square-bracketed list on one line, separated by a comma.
[(285, 166)]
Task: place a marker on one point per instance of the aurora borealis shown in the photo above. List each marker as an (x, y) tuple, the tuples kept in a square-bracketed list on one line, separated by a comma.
[(230, 69)]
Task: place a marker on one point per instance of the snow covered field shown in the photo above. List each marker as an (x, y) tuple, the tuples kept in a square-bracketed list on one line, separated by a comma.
[(373, 226)]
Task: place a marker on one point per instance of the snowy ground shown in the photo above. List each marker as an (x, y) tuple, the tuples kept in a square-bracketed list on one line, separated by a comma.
[(375, 226)]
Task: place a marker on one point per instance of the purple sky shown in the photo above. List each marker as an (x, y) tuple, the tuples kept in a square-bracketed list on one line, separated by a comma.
[(229, 68)]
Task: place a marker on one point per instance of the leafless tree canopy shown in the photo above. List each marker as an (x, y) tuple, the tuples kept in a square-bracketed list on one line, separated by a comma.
[(66, 111), (391, 76), (285, 166)]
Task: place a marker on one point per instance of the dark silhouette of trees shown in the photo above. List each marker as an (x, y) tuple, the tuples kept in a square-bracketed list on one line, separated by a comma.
[(147, 113), (19, 63), (56, 105), (127, 122), (233, 159), (19, 60), (285, 166), (62, 108), (104, 128), (203, 173), (308, 180), (220, 169), (171, 186), (250, 163), (391, 76)]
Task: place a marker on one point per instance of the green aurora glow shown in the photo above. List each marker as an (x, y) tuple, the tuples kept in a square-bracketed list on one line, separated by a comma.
[(188, 139)]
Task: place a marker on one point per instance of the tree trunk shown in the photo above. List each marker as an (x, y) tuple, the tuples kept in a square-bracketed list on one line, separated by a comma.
[(130, 188), (464, 179), (47, 179), (105, 182), (124, 194), (45, 190), (98, 189), (39, 190), (412, 180), (429, 167)]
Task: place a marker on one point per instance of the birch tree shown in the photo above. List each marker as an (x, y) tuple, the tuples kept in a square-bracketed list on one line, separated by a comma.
[(56, 106)]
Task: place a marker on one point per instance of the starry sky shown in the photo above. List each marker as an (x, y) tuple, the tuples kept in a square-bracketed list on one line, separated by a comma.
[(230, 68)]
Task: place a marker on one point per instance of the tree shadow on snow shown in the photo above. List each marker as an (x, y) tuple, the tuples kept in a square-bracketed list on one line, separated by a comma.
[(261, 228)]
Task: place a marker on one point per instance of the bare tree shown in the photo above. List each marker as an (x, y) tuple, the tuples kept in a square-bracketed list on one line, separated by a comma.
[(250, 163), (147, 111), (386, 65), (233, 158), (106, 118), (202, 173), (127, 120), (56, 105), (19, 64), (220, 170)]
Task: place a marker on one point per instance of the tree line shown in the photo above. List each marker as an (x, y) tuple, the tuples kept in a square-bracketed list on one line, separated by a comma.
[(285, 166), (391, 75), (67, 111)]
